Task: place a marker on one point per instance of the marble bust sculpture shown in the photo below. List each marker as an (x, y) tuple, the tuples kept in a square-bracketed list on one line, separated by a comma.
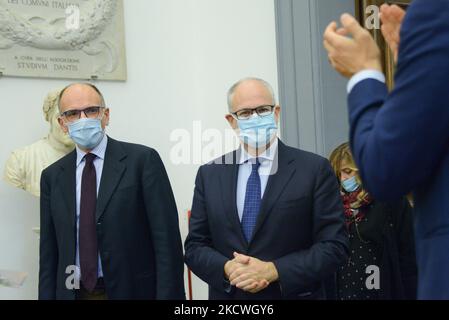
[(24, 167)]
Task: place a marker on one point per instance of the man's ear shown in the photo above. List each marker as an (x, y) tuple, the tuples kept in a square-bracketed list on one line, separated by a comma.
[(63, 126), (107, 114), (277, 113), (231, 120)]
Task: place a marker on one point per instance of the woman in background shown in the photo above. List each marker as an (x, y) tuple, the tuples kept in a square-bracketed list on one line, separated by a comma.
[(381, 262)]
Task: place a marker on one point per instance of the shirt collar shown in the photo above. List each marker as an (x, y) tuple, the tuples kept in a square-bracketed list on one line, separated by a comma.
[(267, 155), (99, 151)]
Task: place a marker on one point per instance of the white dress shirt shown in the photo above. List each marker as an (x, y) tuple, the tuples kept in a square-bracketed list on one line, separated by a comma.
[(363, 75), (99, 151), (267, 159)]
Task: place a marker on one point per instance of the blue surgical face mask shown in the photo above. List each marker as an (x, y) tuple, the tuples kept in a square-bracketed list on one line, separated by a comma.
[(350, 185), (257, 131), (86, 133)]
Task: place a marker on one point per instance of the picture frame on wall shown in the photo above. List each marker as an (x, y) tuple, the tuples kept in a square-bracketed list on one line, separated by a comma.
[(362, 13)]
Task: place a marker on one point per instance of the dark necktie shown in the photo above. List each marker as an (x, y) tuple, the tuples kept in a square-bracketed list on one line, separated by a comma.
[(88, 250), (252, 202)]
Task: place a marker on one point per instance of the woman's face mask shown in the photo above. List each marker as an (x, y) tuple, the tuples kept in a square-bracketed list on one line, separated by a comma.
[(348, 179), (350, 185)]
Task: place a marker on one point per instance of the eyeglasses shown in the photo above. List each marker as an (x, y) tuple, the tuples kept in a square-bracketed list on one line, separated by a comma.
[(245, 114), (74, 115)]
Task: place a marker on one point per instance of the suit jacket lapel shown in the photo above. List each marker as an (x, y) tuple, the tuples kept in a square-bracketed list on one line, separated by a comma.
[(276, 184), (113, 169), (229, 189), (67, 183)]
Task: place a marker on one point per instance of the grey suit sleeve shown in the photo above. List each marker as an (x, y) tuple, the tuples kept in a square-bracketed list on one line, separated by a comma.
[(48, 251), (200, 256), (164, 225), (300, 270)]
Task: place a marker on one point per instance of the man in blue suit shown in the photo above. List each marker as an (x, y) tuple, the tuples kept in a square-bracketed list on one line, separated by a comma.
[(267, 219), (400, 139)]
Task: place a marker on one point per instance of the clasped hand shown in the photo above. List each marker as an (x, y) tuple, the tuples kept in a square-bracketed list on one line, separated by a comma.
[(250, 274)]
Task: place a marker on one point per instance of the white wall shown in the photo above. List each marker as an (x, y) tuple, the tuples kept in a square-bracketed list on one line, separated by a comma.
[(182, 57)]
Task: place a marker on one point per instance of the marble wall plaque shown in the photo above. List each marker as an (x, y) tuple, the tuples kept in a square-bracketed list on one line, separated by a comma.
[(71, 39)]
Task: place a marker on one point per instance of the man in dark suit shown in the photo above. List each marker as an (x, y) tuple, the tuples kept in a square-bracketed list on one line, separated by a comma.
[(267, 219), (400, 139), (109, 223)]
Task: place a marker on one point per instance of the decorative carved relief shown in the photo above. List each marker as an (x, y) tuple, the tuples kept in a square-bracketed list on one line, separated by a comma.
[(95, 45)]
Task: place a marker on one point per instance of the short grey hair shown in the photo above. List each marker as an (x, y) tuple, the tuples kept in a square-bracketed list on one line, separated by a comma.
[(103, 103), (231, 91)]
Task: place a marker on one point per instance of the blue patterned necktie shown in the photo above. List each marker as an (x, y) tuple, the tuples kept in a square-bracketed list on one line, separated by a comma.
[(252, 201)]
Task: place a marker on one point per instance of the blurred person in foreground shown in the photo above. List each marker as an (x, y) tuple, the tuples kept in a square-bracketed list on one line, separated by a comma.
[(400, 139)]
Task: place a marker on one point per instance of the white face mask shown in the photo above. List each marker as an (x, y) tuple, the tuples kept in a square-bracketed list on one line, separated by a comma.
[(350, 185), (86, 133), (257, 131)]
